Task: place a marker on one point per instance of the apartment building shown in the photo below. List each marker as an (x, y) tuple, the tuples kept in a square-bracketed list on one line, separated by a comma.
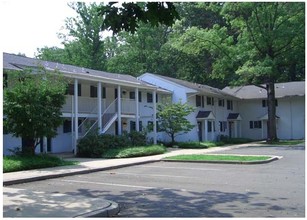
[(116, 103)]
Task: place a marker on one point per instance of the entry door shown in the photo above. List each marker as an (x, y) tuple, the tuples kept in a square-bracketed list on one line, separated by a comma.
[(200, 131)]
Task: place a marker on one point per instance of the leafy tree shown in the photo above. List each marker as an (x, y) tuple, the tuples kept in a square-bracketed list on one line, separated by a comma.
[(257, 47), (172, 119), (83, 41), (127, 16), (32, 105), (143, 49)]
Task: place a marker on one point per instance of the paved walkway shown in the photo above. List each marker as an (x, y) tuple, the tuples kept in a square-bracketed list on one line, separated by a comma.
[(24, 203)]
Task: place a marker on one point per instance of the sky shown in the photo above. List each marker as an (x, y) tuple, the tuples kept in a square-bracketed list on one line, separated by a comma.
[(27, 24)]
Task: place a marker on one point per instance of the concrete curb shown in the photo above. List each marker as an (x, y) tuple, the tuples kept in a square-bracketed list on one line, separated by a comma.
[(109, 211), (226, 162)]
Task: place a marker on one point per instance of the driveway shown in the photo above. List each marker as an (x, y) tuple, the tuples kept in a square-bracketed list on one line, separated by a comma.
[(172, 189)]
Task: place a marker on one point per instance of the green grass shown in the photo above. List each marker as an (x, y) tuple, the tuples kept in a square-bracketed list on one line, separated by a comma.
[(208, 157), (286, 142), (19, 163), (134, 151)]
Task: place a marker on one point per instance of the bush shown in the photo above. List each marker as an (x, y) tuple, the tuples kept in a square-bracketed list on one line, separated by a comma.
[(139, 151), (91, 146), (94, 144), (137, 138)]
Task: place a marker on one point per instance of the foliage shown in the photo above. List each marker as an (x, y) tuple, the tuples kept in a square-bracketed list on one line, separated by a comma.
[(143, 49), (172, 119), (82, 39), (127, 16), (198, 145), (134, 151), (32, 105), (19, 163), (95, 145), (256, 45)]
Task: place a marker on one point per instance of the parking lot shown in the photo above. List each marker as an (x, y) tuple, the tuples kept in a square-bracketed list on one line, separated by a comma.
[(176, 189)]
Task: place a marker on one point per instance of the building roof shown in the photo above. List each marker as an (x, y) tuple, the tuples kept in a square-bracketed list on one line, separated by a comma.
[(234, 116), (16, 62), (205, 115), (200, 88), (282, 90)]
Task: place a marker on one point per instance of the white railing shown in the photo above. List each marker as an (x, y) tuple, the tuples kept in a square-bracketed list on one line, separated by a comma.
[(128, 106), (85, 104)]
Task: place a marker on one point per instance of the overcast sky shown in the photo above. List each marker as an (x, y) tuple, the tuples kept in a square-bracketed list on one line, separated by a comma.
[(27, 24)]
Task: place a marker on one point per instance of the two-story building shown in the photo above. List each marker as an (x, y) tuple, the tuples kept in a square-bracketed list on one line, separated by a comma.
[(290, 110), (216, 112), (111, 103)]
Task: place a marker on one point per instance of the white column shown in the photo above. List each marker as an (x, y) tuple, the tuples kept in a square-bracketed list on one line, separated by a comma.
[(99, 107), (137, 124), (154, 93), (212, 131), (262, 129), (119, 110), (76, 114), (235, 123), (240, 129), (206, 130)]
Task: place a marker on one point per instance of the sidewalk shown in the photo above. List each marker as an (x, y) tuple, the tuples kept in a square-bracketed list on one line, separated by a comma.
[(25, 203)]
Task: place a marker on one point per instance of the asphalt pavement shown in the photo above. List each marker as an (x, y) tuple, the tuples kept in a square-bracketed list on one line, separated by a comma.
[(35, 203)]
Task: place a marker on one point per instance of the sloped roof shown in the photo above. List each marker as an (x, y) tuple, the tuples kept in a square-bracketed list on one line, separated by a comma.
[(197, 87), (205, 115), (16, 62), (282, 90), (234, 116)]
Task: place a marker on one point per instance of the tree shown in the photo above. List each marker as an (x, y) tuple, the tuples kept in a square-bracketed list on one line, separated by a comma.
[(143, 49), (172, 119), (257, 47), (272, 31), (127, 16), (82, 39), (32, 106)]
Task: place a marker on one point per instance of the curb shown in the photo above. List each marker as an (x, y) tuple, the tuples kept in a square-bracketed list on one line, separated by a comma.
[(226, 162), (110, 211), (51, 176)]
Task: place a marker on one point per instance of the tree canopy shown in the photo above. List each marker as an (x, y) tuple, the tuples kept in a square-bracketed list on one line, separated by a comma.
[(32, 106)]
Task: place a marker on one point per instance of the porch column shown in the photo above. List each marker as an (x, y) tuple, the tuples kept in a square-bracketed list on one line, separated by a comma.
[(206, 130), (99, 108), (236, 128), (119, 110), (212, 131), (262, 129), (154, 100), (76, 115), (240, 129), (137, 125)]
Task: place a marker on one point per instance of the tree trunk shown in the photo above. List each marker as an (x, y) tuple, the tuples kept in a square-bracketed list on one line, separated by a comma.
[(271, 131), (28, 146)]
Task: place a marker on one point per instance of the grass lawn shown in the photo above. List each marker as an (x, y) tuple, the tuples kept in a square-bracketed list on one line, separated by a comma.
[(208, 157), (134, 151), (19, 163)]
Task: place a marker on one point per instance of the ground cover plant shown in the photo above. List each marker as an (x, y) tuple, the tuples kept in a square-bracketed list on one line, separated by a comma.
[(134, 151), (208, 157), (19, 163)]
